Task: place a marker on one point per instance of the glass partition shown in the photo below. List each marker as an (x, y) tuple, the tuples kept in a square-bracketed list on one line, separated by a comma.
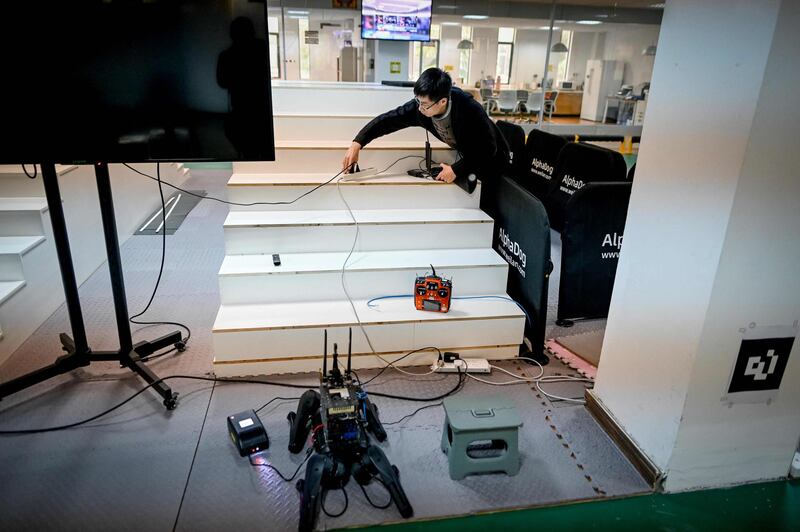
[(511, 46)]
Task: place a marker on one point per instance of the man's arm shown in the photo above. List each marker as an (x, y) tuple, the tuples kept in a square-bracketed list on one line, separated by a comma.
[(400, 118), (404, 116)]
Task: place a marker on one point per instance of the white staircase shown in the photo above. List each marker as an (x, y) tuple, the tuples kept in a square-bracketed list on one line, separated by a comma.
[(396, 191), (30, 287), (271, 318)]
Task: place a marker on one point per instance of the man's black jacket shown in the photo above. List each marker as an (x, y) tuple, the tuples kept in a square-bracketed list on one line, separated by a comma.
[(483, 149)]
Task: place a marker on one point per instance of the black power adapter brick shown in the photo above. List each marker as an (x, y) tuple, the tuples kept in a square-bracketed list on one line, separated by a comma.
[(247, 432), (449, 356)]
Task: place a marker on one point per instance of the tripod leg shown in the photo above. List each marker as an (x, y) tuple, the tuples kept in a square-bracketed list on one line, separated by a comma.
[(126, 356), (300, 423)]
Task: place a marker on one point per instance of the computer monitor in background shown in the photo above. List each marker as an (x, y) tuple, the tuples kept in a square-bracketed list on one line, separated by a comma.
[(90, 81), (396, 20)]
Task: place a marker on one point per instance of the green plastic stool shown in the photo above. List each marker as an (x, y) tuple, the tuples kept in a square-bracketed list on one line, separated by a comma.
[(480, 419)]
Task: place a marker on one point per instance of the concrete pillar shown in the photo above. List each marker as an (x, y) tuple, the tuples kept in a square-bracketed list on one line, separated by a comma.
[(712, 247)]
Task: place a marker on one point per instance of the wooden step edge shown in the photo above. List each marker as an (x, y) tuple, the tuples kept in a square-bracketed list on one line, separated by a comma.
[(331, 145), (355, 270), (344, 183), (355, 323), (349, 224), (364, 354)]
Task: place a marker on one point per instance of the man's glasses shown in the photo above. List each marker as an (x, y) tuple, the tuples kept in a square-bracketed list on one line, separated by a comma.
[(423, 106)]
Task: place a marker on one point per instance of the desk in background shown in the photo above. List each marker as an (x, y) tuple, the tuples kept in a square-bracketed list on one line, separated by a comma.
[(568, 103)]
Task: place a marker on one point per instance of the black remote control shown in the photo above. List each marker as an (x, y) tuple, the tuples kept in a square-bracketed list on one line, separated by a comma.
[(276, 259)]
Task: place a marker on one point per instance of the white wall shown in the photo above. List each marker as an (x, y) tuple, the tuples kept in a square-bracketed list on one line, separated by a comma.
[(387, 52), (449, 54), (710, 246), (292, 50), (324, 56), (530, 47), (626, 43), (756, 282), (484, 55), (336, 98), (585, 45)]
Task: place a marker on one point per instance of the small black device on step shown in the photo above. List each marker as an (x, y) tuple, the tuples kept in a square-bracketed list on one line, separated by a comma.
[(247, 432), (276, 259), (467, 184), (430, 171)]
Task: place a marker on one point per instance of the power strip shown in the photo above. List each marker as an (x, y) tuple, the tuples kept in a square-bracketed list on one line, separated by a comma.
[(472, 365)]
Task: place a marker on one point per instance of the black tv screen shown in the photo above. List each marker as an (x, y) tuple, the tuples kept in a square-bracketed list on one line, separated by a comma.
[(88, 81)]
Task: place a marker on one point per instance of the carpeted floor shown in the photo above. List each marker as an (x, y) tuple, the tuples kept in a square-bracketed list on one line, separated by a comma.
[(143, 468)]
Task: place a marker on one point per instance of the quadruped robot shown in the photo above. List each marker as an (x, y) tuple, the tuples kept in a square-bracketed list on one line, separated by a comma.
[(340, 417)]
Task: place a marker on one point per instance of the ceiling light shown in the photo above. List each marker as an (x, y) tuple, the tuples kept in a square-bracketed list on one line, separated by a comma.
[(548, 27), (447, 7), (450, 23), (588, 22), (650, 50), (559, 47), (296, 12), (660, 6), (476, 17)]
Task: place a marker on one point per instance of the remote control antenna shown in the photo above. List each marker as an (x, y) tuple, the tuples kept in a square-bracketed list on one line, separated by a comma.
[(349, 350), (325, 356), (433, 270)]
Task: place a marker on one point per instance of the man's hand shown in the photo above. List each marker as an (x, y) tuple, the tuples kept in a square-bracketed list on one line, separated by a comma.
[(351, 157), (447, 175)]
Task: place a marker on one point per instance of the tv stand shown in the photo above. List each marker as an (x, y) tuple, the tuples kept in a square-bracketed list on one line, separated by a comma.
[(78, 354)]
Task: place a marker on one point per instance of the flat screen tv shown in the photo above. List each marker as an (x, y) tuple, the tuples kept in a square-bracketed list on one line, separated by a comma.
[(396, 20), (88, 81)]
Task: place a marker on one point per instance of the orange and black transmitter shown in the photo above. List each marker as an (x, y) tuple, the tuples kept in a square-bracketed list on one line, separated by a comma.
[(433, 293)]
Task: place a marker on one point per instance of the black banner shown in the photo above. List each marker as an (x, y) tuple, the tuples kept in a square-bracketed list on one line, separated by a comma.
[(522, 238), (591, 240)]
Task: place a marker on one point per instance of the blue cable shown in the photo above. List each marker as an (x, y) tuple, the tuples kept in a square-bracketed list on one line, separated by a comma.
[(363, 396), (370, 305), (527, 317)]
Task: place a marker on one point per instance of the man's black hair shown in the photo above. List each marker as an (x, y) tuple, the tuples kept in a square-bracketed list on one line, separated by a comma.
[(434, 83)]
